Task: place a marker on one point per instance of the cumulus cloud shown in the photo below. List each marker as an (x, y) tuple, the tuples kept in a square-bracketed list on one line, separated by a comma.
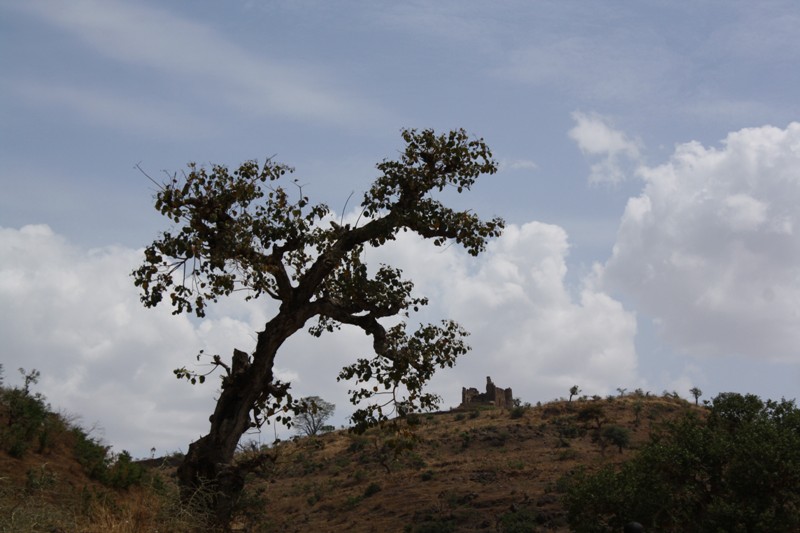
[(74, 314), (529, 330), (596, 138), (710, 248)]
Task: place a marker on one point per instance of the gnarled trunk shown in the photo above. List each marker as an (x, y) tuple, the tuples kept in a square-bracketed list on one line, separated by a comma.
[(207, 475)]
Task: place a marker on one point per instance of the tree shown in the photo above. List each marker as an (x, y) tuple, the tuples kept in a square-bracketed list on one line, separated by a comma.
[(573, 391), (616, 435), (696, 392), (243, 230), (314, 413)]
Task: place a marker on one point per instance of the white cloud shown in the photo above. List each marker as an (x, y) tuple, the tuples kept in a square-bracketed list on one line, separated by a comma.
[(518, 164), (595, 137), (709, 248), (75, 315), (529, 331)]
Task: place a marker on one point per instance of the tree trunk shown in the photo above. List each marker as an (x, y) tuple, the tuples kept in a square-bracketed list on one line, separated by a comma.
[(207, 475)]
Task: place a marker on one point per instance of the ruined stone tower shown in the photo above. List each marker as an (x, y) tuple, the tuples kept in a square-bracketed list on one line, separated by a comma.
[(494, 395)]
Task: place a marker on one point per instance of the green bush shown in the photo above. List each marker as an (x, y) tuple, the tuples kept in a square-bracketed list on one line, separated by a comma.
[(618, 436), (91, 455), (372, 488), (521, 521), (518, 412), (27, 414), (737, 470), (124, 472)]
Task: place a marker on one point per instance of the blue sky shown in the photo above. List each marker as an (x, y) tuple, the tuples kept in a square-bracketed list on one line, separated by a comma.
[(649, 176)]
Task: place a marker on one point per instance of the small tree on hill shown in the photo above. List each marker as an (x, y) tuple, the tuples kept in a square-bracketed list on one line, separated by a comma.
[(314, 413), (573, 391), (243, 230), (696, 392), (618, 436)]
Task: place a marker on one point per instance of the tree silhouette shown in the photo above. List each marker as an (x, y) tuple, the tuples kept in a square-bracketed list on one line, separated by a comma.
[(245, 231), (315, 412), (694, 391)]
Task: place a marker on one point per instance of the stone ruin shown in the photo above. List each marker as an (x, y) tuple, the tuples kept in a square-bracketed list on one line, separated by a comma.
[(494, 395)]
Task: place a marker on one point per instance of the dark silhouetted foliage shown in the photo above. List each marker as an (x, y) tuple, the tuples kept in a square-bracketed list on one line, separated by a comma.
[(736, 470)]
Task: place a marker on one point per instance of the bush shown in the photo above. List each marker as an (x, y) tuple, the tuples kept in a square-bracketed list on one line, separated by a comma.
[(618, 436), (521, 521), (91, 455), (518, 412), (372, 488), (26, 419), (124, 472), (739, 470)]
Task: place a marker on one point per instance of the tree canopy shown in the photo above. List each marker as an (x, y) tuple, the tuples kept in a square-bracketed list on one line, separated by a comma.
[(314, 414), (249, 230)]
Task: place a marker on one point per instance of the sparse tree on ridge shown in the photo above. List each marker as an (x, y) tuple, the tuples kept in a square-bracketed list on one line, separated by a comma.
[(244, 230), (314, 413), (696, 392), (573, 391)]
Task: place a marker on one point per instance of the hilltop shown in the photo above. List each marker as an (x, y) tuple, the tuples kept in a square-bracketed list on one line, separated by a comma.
[(480, 469), (486, 469)]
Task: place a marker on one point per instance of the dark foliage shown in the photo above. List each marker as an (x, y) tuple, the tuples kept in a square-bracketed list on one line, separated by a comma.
[(738, 469)]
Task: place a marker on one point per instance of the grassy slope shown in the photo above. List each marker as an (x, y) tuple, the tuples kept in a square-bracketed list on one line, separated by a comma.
[(465, 472)]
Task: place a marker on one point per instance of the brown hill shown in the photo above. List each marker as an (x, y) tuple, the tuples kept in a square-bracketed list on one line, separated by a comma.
[(480, 470)]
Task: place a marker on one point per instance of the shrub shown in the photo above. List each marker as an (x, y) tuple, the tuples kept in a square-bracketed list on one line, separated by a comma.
[(372, 488), (518, 412), (91, 454), (124, 472), (618, 436), (521, 521), (27, 414), (739, 470)]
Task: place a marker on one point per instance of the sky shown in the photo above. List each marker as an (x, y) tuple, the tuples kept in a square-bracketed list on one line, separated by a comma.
[(649, 175)]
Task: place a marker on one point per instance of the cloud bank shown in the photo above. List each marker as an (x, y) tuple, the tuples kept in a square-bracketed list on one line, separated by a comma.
[(710, 249), (74, 315)]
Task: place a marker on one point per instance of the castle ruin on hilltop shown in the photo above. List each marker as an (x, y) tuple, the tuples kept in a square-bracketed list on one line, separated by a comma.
[(494, 395)]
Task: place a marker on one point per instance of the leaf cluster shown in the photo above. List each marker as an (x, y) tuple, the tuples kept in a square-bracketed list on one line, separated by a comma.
[(399, 370), (236, 230)]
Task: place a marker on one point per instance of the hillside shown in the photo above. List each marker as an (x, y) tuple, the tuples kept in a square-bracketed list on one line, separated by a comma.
[(481, 470), (478, 470)]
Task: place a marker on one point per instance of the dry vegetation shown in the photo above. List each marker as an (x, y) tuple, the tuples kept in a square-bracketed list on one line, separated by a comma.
[(481, 470)]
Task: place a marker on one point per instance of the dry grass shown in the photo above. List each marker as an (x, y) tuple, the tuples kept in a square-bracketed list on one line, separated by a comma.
[(466, 471)]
